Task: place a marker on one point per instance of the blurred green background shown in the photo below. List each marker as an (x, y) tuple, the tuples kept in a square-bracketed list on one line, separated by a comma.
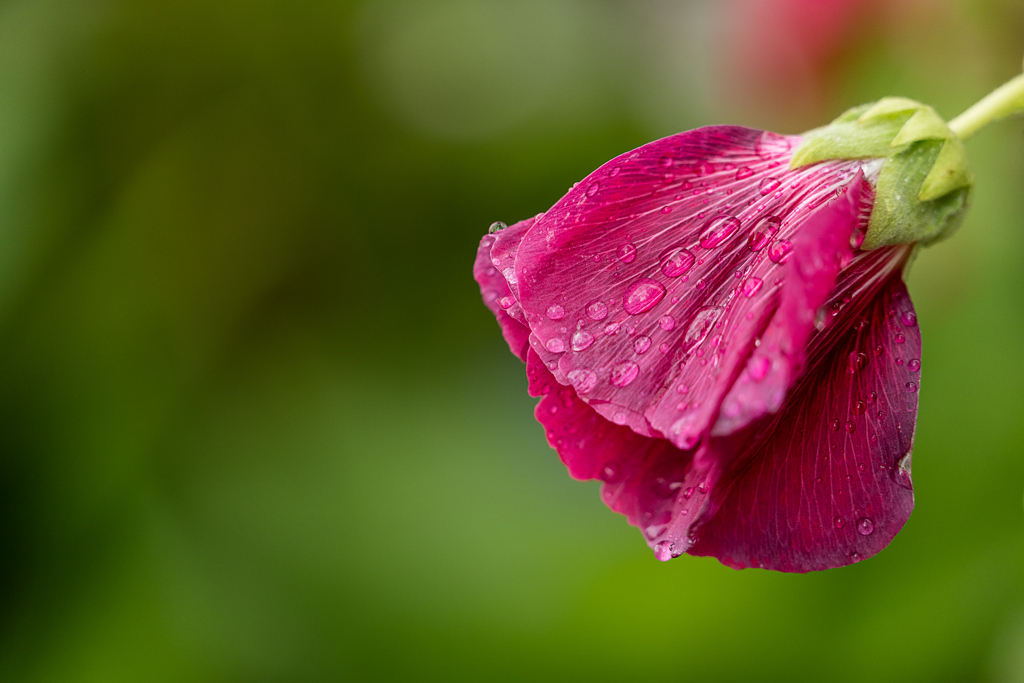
[(256, 425)]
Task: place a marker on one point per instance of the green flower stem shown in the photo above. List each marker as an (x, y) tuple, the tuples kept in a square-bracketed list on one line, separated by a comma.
[(1005, 100)]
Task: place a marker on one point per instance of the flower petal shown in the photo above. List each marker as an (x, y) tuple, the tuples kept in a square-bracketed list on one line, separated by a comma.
[(659, 271), (494, 288), (827, 482)]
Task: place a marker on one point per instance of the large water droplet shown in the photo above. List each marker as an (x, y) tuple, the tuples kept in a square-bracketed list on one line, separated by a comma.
[(865, 525), (780, 251), (555, 345), (859, 407), (911, 387), (597, 310), (858, 361), (914, 365), (623, 374), (581, 340), (663, 551), (763, 233), (752, 286), (900, 339), (642, 296), (701, 325), (555, 312), (626, 253), (676, 260), (768, 185), (641, 344), (583, 380), (718, 230), (909, 318), (496, 226)]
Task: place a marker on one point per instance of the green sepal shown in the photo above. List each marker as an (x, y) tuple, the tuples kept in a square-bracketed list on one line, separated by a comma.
[(925, 182)]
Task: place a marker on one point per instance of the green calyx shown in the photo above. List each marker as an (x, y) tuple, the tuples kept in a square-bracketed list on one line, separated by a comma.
[(925, 182)]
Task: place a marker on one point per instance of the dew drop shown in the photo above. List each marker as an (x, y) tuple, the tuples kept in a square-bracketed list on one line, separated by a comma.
[(743, 172), (623, 374), (614, 172), (581, 340), (496, 226), (592, 190), (758, 367), (664, 347), (752, 286), (555, 312), (676, 260), (626, 253), (879, 350), (701, 325), (641, 344), (914, 365), (779, 251), (834, 425), (851, 427), (909, 319), (911, 387), (838, 522), (666, 161), (770, 144), (872, 397), (865, 525), (507, 302), (769, 185), (718, 230), (611, 328), (597, 310), (663, 551), (765, 231), (859, 407), (667, 322), (555, 345), (900, 339), (857, 360), (642, 296), (855, 556), (583, 380)]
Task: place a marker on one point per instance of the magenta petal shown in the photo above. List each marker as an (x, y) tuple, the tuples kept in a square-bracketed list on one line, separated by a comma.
[(829, 484), (657, 273), (494, 288)]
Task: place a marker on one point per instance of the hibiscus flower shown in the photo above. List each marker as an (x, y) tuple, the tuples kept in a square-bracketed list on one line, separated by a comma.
[(718, 329)]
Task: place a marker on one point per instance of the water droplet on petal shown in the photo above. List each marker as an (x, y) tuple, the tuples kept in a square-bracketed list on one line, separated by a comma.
[(879, 350), (581, 340), (769, 185), (857, 360), (834, 425), (752, 286), (642, 296), (623, 374), (626, 253), (507, 302), (765, 231), (583, 380), (592, 190), (663, 551), (676, 260), (667, 322), (614, 172), (718, 230), (701, 325), (859, 407), (911, 387), (611, 328), (597, 310), (758, 367), (496, 226), (665, 161), (838, 522), (641, 344), (771, 144), (555, 312), (555, 345), (780, 251), (908, 318), (664, 347), (865, 525), (510, 276), (851, 427), (914, 365), (900, 339)]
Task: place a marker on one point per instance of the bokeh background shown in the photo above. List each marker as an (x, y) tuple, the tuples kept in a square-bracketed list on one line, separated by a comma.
[(256, 425)]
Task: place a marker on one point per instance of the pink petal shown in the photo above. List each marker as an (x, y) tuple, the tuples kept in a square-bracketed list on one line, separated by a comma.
[(826, 482), (494, 288), (667, 262)]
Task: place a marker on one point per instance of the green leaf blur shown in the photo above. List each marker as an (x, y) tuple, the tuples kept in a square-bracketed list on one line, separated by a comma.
[(256, 424)]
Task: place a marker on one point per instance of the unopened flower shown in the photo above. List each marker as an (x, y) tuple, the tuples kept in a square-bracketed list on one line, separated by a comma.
[(718, 329)]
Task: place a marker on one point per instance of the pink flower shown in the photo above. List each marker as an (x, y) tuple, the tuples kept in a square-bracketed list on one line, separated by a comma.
[(709, 340)]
